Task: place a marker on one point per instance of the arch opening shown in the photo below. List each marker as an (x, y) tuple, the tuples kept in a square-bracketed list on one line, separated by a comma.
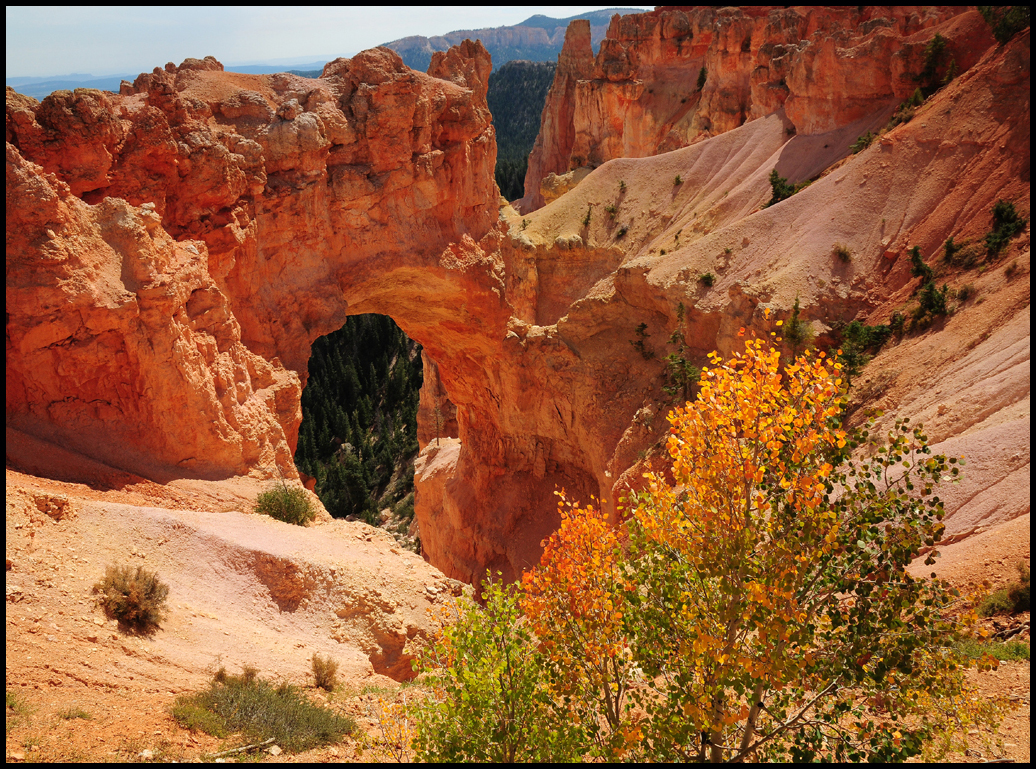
[(358, 438)]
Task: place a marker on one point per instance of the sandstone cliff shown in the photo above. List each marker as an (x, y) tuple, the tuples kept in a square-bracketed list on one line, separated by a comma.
[(165, 245), (371, 190), (825, 67)]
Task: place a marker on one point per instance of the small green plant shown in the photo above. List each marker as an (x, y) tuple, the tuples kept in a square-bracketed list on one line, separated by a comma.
[(859, 339), (17, 708), (1011, 270), (862, 142), (707, 279), (702, 75), (934, 54), (289, 504), (797, 331), (74, 712), (611, 210), (622, 186), (681, 375), (1011, 599), (897, 323), (728, 250), (843, 252), (525, 223), (638, 343), (678, 180), (260, 710), (782, 190), (586, 219), (932, 303), (135, 598), (918, 268), (622, 231), (1009, 651), (325, 672), (1006, 224)]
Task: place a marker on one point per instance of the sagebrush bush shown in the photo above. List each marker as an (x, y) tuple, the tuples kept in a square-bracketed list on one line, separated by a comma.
[(325, 671), (135, 598), (260, 710), (286, 503)]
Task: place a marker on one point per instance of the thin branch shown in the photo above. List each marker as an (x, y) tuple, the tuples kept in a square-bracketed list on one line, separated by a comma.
[(241, 749)]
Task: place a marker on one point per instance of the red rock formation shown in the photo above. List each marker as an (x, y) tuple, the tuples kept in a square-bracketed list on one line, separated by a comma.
[(284, 198), (370, 190), (825, 66), (121, 346)]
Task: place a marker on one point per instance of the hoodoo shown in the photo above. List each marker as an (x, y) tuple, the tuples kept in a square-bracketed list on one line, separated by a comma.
[(174, 250)]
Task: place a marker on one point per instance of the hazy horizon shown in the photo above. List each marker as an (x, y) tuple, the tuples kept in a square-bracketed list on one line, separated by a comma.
[(52, 41)]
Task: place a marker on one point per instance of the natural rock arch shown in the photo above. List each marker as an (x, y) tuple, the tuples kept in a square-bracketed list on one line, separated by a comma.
[(172, 253)]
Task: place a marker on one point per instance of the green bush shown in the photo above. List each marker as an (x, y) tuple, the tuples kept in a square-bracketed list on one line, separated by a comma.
[(843, 252), (781, 189), (918, 268), (586, 219), (135, 598), (491, 703), (933, 300), (325, 671), (897, 323), (863, 142), (678, 180), (286, 503), (75, 712), (702, 75), (934, 54), (859, 339), (1008, 600), (707, 279), (1006, 224), (260, 710)]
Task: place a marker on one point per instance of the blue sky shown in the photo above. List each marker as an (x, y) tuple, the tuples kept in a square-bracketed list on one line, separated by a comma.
[(103, 40)]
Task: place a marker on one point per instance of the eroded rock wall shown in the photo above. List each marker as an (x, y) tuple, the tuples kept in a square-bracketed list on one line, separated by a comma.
[(165, 245), (239, 217), (826, 67)]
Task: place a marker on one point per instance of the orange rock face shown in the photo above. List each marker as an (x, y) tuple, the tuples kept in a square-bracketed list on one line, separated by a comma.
[(146, 231), (174, 251), (825, 66)]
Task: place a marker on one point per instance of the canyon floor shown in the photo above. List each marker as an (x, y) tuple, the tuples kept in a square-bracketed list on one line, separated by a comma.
[(86, 691)]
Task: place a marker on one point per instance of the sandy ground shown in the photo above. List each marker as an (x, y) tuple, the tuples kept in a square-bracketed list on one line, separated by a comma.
[(236, 581), (244, 589)]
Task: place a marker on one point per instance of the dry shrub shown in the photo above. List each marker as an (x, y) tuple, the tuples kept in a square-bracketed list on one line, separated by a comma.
[(135, 598), (325, 671)]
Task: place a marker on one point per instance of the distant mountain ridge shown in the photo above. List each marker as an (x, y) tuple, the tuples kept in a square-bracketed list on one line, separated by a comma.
[(41, 87), (538, 38)]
